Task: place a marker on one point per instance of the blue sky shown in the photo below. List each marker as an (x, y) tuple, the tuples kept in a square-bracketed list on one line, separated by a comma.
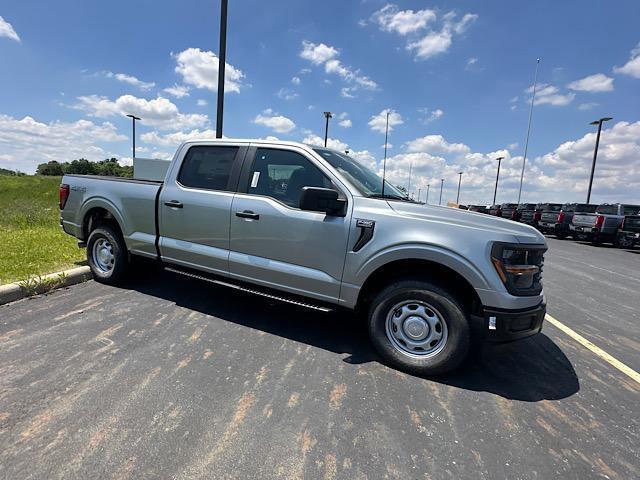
[(455, 75)]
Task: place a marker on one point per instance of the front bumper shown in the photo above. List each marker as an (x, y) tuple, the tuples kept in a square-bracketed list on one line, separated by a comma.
[(497, 325)]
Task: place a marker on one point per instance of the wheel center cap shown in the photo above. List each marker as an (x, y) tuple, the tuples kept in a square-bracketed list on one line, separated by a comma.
[(415, 328)]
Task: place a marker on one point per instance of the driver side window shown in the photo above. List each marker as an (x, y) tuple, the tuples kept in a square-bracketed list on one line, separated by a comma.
[(281, 174)]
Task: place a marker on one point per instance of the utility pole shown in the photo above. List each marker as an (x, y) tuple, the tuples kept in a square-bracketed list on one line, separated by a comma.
[(327, 115), (459, 182), (384, 163), (526, 143), (427, 199), (133, 136), (222, 62), (441, 185), (495, 192), (595, 151)]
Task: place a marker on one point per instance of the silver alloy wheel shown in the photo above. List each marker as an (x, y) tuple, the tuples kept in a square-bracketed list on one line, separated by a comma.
[(416, 329), (103, 257)]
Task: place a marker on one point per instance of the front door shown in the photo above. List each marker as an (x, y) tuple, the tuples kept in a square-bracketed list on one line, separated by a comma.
[(194, 207), (276, 244)]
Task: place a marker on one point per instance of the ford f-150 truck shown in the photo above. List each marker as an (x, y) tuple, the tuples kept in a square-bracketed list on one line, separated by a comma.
[(314, 227), (601, 226)]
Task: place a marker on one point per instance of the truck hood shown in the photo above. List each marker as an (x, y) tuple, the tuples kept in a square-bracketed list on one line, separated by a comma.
[(477, 221)]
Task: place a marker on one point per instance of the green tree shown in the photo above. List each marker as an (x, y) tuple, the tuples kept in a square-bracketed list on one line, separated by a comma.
[(50, 168), (82, 166)]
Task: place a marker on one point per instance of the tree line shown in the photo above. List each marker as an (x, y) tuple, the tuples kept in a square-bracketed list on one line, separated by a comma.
[(109, 167)]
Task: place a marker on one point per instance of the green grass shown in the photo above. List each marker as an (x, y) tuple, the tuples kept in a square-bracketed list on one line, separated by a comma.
[(31, 240)]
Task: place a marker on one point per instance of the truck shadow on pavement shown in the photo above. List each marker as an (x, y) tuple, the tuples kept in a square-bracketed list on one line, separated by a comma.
[(529, 370)]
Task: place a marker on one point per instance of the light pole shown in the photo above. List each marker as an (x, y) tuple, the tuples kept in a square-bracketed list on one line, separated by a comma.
[(427, 199), (419, 191), (409, 187), (459, 182), (595, 151), (526, 143), (222, 62), (384, 163), (495, 192), (327, 115), (133, 137), (441, 185)]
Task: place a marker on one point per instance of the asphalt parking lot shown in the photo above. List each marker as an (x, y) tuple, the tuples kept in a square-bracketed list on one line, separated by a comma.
[(173, 378)]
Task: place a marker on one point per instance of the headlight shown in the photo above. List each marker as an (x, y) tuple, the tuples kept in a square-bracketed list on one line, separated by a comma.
[(519, 267)]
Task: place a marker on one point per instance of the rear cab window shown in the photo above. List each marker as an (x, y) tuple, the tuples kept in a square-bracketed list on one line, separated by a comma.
[(208, 167), (631, 210), (607, 209)]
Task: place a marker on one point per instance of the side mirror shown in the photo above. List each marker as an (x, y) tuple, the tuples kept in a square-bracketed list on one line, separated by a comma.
[(325, 200)]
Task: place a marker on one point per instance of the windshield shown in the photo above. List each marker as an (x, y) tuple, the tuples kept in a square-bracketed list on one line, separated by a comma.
[(364, 179)]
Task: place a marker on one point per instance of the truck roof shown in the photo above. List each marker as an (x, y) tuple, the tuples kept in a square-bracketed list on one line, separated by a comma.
[(252, 140)]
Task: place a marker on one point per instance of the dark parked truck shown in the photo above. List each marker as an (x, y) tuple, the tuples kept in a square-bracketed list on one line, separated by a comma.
[(565, 217), (509, 210), (526, 213), (548, 217), (629, 234), (601, 226), (313, 227)]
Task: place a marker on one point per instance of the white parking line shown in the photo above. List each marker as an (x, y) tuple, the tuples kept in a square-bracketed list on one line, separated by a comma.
[(595, 349)]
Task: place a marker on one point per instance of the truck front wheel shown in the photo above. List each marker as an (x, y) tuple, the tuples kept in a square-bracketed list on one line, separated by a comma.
[(419, 328), (107, 255)]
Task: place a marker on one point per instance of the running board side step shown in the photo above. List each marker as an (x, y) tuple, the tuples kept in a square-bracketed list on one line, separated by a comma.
[(253, 291)]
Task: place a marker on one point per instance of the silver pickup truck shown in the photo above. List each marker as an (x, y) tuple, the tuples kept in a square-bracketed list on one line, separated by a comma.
[(601, 226), (314, 227)]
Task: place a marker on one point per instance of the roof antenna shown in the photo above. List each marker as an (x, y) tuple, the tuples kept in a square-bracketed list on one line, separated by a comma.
[(384, 163)]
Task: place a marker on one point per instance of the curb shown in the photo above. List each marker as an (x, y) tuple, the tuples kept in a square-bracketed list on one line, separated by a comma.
[(16, 291)]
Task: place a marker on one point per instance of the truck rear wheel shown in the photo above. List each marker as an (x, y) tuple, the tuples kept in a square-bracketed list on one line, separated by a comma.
[(107, 255), (419, 328)]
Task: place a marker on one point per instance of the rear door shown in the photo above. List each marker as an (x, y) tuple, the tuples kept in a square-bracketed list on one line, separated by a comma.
[(273, 242), (195, 204)]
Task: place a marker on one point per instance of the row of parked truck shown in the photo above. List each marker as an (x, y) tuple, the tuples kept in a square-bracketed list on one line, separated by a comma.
[(616, 223)]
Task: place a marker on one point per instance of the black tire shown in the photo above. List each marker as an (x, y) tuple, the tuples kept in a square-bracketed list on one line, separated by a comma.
[(113, 242), (454, 349)]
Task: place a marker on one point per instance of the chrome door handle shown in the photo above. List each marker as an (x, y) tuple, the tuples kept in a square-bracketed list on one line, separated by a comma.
[(174, 204), (248, 214)]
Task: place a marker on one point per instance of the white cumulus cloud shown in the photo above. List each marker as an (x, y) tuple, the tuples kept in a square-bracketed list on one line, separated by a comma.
[(200, 69), (6, 30), (598, 82), (277, 123), (391, 19), (177, 91), (378, 122), (131, 80), (176, 138), (632, 67), (333, 143), (159, 112), (550, 95), (26, 142)]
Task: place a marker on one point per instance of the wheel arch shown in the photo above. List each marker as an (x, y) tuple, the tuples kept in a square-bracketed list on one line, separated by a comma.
[(100, 213), (417, 268)]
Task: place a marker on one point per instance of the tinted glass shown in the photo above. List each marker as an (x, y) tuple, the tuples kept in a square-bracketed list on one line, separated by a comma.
[(631, 209), (366, 180), (607, 209), (551, 207), (207, 167), (527, 206), (281, 174), (585, 208)]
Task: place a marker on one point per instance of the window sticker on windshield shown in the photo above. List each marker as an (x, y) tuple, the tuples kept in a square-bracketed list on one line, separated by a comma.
[(254, 180)]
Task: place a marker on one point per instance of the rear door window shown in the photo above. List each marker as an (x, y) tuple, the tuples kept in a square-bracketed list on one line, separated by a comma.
[(631, 209), (207, 167)]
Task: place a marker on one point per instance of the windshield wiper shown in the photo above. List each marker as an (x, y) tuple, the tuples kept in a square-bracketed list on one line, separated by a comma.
[(391, 197)]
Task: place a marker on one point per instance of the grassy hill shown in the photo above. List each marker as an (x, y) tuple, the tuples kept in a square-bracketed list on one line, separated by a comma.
[(31, 240)]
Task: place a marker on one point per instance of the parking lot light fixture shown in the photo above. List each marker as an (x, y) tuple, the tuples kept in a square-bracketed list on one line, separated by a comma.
[(327, 116), (222, 62), (133, 135), (595, 152), (441, 185), (495, 192), (459, 182)]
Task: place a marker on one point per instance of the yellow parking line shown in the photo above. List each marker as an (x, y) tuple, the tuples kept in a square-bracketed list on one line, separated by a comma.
[(595, 349)]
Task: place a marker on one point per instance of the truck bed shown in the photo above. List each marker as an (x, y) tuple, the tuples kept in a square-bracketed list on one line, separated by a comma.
[(133, 202)]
